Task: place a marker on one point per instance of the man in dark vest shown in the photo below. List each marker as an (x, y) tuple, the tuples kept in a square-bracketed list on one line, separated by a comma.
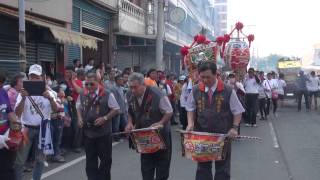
[(213, 107), (95, 109), (149, 107)]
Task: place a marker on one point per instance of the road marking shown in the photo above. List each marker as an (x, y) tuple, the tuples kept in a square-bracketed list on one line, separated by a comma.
[(279, 148), (66, 165), (62, 167), (274, 136)]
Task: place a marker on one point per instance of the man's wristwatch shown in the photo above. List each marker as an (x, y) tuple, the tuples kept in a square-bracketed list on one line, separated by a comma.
[(105, 118), (235, 126)]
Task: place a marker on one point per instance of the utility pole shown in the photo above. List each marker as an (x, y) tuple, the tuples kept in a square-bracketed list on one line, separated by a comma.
[(22, 37), (160, 35)]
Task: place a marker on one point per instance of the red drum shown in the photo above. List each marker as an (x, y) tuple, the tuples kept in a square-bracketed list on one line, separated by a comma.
[(203, 147), (237, 54), (16, 136), (147, 140)]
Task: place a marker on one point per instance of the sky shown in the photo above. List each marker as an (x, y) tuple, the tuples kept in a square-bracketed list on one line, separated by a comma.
[(286, 27)]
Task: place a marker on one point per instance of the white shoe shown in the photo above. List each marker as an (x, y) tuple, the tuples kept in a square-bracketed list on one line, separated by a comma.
[(247, 125)]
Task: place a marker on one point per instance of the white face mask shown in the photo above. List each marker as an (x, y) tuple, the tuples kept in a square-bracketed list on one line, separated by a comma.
[(163, 81), (49, 82), (63, 87), (232, 80)]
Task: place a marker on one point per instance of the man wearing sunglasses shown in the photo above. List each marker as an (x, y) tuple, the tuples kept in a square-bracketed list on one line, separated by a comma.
[(95, 109)]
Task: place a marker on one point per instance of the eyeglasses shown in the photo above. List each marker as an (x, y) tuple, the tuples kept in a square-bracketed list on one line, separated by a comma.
[(90, 84)]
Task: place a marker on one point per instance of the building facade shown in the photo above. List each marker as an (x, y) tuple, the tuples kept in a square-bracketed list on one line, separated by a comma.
[(118, 32), (220, 17), (93, 18), (135, 30), (54, 35), (316, 56), (41, 47)]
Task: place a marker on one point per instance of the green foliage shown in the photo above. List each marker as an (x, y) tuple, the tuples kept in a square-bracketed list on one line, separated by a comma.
[(268, 63)]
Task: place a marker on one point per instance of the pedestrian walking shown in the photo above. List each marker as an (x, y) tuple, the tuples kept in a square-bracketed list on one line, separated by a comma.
[(251, 85), (95, 109), (281, 87), (183, 101), (149, 107), (271, 86), (262, 98), (301, 84), (215, 108), (313, 89)]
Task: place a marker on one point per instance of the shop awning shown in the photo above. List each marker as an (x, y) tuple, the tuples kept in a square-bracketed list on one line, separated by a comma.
[(60, 33), (66, 36)]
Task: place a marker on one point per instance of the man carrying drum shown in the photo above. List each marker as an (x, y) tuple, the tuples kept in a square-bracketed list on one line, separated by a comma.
[(95, 109), (149, 107), (215, 108)]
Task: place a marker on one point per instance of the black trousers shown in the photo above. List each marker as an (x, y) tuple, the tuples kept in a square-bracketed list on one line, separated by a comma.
[(222, 168), (72, 136), (275, 105), (156, 166), (268, 102), (77, 134), (7, 158), (98, 148), (183, 117), (262, 107), (251, 102), (173, 105), (301, 93)]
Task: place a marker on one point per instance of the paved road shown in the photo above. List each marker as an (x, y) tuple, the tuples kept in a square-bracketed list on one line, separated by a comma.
[(290, 151)]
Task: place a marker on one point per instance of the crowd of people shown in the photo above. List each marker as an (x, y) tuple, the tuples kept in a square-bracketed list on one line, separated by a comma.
[(70, 104), (260, 92), (82, 107), (265, 91)]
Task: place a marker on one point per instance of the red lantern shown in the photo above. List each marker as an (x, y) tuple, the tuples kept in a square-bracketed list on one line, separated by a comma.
[(237, 54), (184, 51)]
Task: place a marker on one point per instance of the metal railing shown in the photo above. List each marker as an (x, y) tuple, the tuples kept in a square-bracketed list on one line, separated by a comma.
[(173, 33), (132, 9), (112, 3)]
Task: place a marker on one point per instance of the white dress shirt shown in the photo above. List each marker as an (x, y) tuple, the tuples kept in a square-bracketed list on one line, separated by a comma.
[(281, 85), (164, 104), (251, 86), (235, 105), (313, 84), (112, 102), (270, 85), (184, 95)]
